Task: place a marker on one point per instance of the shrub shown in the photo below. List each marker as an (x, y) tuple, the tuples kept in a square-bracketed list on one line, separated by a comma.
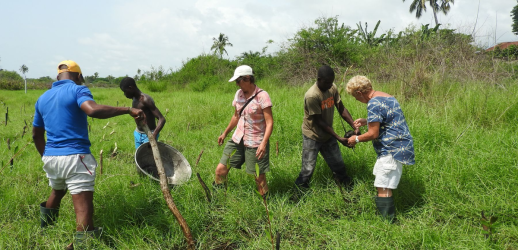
[(156, 86), (11, 80)]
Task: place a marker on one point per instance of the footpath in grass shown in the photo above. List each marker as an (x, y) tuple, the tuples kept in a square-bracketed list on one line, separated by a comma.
[(466, 162)]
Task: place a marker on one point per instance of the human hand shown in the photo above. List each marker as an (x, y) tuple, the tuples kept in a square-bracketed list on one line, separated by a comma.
[(343, 140), (360, 122), (221, 139), (351, 141), (357, 131), (138, 114), (261, 151)]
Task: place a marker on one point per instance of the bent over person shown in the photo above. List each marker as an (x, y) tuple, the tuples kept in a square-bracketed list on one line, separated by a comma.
[(317, 129), (253, 121), (390, 137), (62, 113), (147, 104)]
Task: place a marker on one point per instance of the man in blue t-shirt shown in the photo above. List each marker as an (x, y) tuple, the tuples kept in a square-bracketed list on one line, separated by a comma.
[(62, 113)]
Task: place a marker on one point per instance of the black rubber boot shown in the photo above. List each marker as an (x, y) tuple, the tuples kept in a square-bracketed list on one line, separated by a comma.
[(386, 208), (82, 239), (48, 216)]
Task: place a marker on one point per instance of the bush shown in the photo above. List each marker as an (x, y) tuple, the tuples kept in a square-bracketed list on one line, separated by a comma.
[(11, 80), (203, 83), (205, 65), (156, 86)]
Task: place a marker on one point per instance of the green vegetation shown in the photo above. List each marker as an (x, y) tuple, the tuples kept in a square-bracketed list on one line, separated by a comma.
[(514, 16), (461, 108)]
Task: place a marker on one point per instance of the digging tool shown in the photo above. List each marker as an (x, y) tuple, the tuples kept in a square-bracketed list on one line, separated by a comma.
[(165, 188)]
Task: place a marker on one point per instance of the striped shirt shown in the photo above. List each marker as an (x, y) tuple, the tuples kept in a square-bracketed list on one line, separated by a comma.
[(251, 125)]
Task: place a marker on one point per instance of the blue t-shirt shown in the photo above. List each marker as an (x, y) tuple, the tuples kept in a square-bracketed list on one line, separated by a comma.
[(394, 136), (58, 112)]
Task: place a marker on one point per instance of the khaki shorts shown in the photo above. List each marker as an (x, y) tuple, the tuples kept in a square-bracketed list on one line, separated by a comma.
[(73, 172), (245, 155), (388, 172)]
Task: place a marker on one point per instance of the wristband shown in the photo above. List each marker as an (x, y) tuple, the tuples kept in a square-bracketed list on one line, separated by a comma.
[(356, 139)]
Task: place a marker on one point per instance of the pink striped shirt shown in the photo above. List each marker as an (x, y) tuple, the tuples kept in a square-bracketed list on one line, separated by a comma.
[(251, 125)]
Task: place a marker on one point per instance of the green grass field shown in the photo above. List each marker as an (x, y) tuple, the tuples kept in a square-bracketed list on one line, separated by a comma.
[(466, 148)]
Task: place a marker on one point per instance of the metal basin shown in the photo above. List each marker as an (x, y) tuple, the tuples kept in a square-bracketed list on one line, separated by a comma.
[(177, 168)]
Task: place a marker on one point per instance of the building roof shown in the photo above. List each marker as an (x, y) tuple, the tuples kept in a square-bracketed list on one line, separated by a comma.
[(504, 45)]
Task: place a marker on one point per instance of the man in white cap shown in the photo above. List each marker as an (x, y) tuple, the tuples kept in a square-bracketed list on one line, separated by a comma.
[(62, 113), (253, 121)]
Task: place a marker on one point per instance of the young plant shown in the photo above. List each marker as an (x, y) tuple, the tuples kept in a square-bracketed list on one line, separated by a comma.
[(489, 225), (203, 185), (265, 203), (228, 168)]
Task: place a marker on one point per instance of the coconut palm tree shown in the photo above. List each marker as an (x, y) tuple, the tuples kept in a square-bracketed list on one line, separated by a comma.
[(24, 69), (219, 44), (420, 5)]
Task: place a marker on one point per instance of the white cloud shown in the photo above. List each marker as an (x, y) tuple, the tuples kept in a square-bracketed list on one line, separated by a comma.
[(128, 35)]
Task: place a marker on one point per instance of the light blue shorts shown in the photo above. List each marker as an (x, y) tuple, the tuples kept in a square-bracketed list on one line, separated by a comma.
[(141, 138)]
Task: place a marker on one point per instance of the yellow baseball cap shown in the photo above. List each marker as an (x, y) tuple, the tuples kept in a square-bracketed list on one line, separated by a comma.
[(71, 67)]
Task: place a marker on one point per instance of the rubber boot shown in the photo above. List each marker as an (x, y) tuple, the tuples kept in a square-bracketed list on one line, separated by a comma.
[(82, 239), (48, 216), (386, 208)]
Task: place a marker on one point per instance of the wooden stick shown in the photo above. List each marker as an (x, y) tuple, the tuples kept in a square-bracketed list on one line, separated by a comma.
[(6, 116), (165, 188), (24, 128), (203, 185), (101, 161)]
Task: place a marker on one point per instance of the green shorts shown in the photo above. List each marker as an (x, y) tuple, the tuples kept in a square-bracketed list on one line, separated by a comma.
[(245, 155)]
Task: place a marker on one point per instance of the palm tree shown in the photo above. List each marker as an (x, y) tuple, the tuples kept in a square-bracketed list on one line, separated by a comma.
[(24, 69), (219, 44), (420, 5)]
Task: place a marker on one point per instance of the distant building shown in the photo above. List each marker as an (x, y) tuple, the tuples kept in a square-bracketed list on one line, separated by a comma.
[(504, 45)]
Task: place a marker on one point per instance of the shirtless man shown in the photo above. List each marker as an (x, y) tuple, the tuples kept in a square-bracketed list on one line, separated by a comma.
[(147, 104)]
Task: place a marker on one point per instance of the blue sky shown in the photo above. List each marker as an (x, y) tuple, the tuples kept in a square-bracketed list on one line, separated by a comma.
[(114, 37)]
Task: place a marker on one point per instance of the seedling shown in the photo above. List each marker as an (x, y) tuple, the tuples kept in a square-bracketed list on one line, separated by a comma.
[(488, 225), (101, 161), (265, 203), (228, 168), (203, 185), (114, 153)]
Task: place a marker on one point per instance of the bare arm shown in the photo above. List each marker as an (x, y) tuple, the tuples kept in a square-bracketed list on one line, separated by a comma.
[(327, 128), (231, 125), (150, 104), (268, 118), (92, 109), (372, 133), (38, 136), (344, 113)]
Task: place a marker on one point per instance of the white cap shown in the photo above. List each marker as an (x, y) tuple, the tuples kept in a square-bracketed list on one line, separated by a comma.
[(243, 70)]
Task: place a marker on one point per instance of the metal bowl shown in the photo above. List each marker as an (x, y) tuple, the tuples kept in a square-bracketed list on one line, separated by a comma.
[(177, 168)]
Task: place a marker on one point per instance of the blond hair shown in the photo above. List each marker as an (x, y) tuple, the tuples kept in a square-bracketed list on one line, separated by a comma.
[(359, 83)]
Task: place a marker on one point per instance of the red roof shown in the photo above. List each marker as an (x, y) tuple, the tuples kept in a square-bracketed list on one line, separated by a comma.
[(503, 45)]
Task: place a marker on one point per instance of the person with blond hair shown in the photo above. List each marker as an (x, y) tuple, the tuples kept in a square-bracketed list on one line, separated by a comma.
[(390, 136)]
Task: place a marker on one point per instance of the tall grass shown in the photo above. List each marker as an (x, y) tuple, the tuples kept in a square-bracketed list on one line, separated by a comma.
[(466, 153)]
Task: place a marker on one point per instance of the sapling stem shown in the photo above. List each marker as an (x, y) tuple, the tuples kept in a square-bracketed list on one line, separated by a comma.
[(16, 154), (203, 185), (101, 161), (165, 189)]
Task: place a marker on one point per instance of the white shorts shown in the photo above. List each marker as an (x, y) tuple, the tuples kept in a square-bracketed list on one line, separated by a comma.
[(73, 172), (388, 172)]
